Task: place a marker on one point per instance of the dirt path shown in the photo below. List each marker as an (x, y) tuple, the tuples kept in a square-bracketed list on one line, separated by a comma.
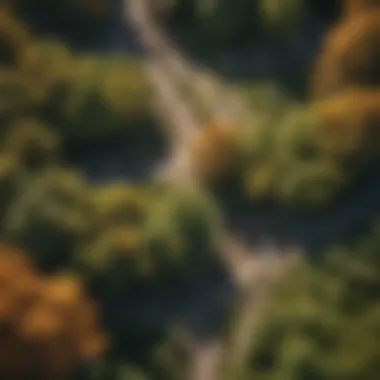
[(168, 70)]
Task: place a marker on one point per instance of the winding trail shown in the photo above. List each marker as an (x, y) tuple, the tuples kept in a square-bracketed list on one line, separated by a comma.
[(168, 69)]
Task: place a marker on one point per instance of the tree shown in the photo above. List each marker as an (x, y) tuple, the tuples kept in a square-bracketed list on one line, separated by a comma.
[(49, 216), (48, 326), (102, 95), (143, 235), (215, 153), (112, 255), (349, 55), (34, 145), (284, 163), (309, 184), (80, 95), (305, 176), (184, 226), (323, 319), (352, 7)]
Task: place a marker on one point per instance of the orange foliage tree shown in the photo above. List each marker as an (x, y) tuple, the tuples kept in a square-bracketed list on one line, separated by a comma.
[(48, 326), (349, 56), (215, 152), (352, 7)]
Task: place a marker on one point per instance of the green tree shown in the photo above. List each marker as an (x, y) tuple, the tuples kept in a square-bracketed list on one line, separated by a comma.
[(185, 227), (80, 95), (113, 253), (48, 216), (33, 144), (323, 320), (144, 234)]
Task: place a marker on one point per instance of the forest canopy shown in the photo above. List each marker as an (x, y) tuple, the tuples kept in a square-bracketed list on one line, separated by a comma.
[(94, 276)]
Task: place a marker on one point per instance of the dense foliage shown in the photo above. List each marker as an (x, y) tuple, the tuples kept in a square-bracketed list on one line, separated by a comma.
[(79, 240), (323, 320), (77, 94), (303, 154), (67, 243)]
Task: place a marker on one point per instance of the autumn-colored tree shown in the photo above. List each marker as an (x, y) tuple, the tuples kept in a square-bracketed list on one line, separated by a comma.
[(48, 326), (349, 55), (353, 7), (215, 153)]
